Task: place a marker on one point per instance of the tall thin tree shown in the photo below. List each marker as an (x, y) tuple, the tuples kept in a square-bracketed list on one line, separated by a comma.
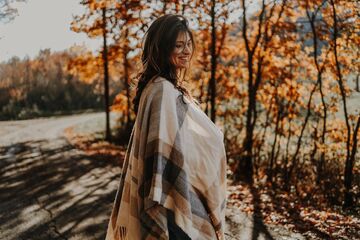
[(213, 64), (351, 134), (106, 74)]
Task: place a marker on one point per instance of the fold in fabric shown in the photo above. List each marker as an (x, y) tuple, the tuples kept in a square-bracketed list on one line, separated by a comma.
[(173, 180)]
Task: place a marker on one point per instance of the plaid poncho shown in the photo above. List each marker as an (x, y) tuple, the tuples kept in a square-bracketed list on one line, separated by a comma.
[(174, 171)]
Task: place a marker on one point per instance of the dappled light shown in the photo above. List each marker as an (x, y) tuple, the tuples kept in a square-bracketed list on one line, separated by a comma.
[(279, 79), (51, 189)]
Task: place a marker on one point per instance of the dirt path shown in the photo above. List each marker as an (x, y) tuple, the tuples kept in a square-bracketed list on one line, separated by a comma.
[(12, 132), (49, 190)]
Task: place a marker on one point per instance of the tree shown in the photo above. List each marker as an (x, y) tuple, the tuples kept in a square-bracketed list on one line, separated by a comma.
[(130, 25), (96, 23), (7, 12), (312, 15), (339, 31), (212, 84), (256, 43), (121, 25), (212, 19), (106, 73), (42, 86)]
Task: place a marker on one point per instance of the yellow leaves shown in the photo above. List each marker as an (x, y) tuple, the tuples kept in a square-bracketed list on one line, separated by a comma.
[(292, 116), (281, 91), (292, 14), (353, 117), (95, 5), (345, 60), (16, 93), (337, 131), (94, 146), (86, 66), (333, 108), (288, 70), (120, 104)]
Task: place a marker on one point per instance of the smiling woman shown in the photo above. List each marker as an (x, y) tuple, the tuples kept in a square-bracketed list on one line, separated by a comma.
[(182, 53), (168, 50), (173, 177)]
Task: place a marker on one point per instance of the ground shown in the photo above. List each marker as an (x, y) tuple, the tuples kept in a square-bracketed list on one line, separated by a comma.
[(51, 189)]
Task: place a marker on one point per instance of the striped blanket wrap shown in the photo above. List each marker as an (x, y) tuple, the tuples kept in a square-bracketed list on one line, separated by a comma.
[(174, 171)]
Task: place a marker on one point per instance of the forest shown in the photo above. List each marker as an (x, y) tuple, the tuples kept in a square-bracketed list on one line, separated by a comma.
[(44, 86), (281, 79)]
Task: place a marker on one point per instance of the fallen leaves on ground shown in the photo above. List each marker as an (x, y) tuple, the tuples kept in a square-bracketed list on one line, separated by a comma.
[(282, 208), (274, 207), (93, 146)]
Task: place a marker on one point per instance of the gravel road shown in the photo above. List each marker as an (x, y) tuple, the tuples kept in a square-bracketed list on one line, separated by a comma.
[(50, 190)]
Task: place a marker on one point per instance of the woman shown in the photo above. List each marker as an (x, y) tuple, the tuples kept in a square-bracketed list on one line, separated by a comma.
[(173, 178)]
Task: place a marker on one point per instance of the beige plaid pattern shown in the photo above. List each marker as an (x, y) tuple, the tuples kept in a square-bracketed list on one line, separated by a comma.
[(174, 168)]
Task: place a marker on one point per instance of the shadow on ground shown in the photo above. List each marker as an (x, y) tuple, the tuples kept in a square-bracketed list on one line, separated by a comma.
[(49, 190)]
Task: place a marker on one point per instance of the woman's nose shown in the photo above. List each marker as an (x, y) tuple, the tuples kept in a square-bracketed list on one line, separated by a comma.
[(187, 49)]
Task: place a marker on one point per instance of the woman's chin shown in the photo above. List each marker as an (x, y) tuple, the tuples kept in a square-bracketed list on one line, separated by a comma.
[(183, 66)]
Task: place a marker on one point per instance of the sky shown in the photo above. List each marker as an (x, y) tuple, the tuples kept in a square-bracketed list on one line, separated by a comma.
[(42, 24)]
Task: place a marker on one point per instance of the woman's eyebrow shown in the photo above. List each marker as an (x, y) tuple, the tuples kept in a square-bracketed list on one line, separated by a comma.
[(180, 41)]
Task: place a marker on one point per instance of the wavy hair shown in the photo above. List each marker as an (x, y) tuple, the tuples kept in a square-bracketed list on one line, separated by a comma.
[(160, 40)]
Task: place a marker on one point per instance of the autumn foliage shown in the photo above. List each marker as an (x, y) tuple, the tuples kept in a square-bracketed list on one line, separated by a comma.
[(278, 74), (281, 78), (44, 86)]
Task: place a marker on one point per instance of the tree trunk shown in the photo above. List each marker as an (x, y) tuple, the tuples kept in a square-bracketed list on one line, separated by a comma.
[(272, 154), (294, 158), (244, 170), (312, 19), (348, 199), (126, 78), (213, 64), (106, 76)]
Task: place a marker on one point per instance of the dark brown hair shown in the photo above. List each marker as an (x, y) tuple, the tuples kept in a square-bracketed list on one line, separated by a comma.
[(160, 41)]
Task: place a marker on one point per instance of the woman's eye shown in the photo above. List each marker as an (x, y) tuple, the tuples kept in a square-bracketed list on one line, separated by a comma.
[(178, 46)]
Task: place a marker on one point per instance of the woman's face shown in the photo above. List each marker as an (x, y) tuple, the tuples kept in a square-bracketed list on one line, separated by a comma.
[(182, 52)]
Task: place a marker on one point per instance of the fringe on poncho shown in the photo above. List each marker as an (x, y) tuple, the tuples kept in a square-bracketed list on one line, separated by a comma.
[(174, 171)]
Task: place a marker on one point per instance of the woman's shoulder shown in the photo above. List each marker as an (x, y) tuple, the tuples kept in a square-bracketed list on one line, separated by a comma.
[(161, 81), (158, 87), (158, 79), (160, 84)]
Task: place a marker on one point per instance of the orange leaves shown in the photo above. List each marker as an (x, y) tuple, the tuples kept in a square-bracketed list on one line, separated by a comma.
[(86, 66), (95, 5), (16, 94), (337, 131), (303, 212), (93, 146), (120, 103)]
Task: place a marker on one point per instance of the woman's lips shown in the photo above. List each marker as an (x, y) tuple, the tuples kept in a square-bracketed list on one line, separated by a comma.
[(184, 58)]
